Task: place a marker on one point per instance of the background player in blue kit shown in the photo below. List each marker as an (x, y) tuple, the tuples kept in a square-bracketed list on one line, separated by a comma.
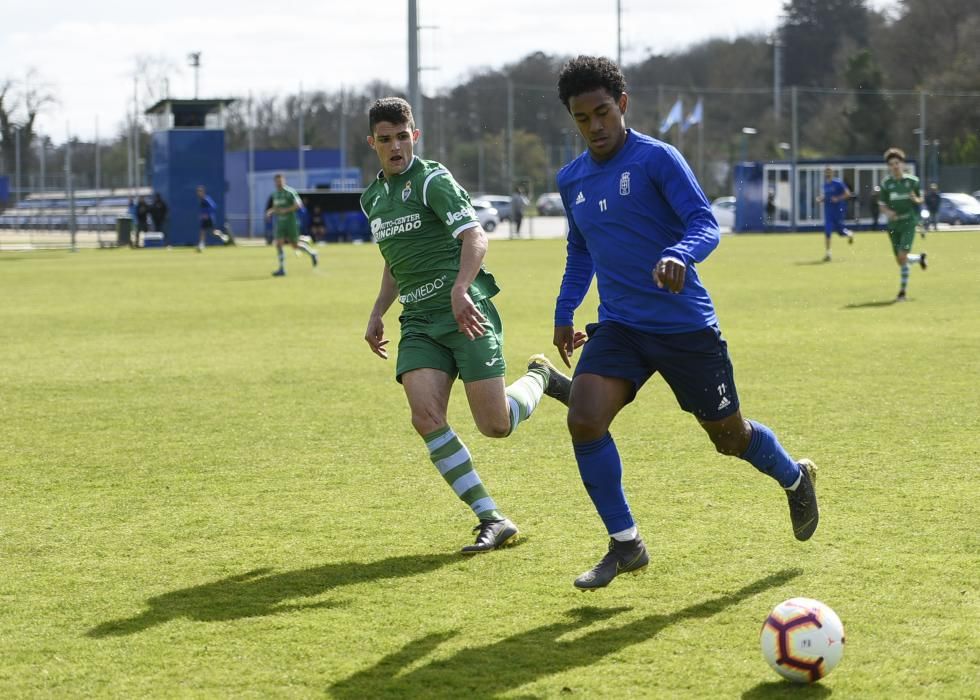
[(639, 221), (834, 198)]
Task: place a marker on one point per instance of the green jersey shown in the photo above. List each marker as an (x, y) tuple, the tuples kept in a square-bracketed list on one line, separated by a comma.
[(286, 197), (897, 196), (416, 218)]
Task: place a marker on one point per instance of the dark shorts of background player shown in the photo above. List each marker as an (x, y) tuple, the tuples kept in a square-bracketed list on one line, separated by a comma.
[(833, 223), (434, 342), (902, 234), (207, 225), (695, 365)]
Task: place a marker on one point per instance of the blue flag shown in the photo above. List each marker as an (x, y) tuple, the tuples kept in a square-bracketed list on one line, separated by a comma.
[(674, 117), (694, 117)]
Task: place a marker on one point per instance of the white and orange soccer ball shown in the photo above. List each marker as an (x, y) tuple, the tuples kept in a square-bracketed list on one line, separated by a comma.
[(802, 639)]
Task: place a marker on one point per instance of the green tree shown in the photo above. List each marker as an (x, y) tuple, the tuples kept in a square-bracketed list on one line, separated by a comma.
[(813, 31), (867, 118)]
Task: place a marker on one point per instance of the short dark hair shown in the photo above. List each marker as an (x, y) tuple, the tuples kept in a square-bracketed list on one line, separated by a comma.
[(894, 153), (587, 73), (390, 109)]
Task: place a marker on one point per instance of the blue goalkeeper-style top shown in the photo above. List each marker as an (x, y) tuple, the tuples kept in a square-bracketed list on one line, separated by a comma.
[(834, 188), (624, 215), (208, 208)]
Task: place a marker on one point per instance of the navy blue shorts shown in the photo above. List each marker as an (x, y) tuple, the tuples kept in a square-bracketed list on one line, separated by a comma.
[(833, 223), (695, 365)]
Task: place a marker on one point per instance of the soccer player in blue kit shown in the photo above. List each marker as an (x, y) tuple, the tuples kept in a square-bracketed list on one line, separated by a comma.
[(834, 198), (638, 221)]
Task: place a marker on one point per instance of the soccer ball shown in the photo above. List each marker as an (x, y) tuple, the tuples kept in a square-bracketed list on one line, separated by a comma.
[(802, 639)]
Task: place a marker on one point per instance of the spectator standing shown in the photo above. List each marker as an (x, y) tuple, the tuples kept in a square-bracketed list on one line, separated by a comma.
[(142, 220), (932, 204), (517, 203), (158, 213), (875, 207)]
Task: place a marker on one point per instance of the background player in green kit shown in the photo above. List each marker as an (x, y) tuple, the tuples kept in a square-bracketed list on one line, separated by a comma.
[(433, 247), (901, 201), (285, 204)]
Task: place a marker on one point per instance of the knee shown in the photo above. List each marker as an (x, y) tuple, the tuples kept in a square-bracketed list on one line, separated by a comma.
[(584, 426), (496, 428), (426, 422), (731, 442)]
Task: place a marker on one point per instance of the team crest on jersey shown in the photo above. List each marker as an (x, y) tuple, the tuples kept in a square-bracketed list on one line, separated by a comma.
[(407, 192), (624, 183)]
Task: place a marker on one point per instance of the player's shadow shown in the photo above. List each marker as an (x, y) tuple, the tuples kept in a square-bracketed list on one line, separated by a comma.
[(804, 263), (251, 278), (777, 690), (502, 666), (877, 304), (260, 592)]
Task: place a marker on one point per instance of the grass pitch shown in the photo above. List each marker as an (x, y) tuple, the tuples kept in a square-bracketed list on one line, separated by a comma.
[(211, 487)]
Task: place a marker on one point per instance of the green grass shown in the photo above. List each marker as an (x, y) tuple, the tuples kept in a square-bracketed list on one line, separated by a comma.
[(211, 487)]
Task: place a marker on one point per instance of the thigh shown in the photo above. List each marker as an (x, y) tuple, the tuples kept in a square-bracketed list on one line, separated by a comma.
[(698, 370), (488, 402), (594, 402), (427, 391)]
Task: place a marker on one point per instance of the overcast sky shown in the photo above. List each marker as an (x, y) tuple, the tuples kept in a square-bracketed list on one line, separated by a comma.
[(86, 49)]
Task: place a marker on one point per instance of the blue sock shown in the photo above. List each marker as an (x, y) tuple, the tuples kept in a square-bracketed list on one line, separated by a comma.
[(768, 456), (602, 474)]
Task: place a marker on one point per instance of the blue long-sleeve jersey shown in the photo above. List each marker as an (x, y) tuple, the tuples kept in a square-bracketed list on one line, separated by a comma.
[(624, 215), (208, 208)]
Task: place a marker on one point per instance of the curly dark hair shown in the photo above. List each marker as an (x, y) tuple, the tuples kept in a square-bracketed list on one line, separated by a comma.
[(587, 73), (894, 152), (391, 109)]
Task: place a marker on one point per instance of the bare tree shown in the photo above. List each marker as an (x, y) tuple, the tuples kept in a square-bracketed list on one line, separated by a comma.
[(20, 104)]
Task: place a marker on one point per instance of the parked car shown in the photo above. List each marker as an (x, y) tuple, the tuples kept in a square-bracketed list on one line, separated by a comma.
[(958, 208), (500, 202), (487, 214), (724, 210), (549, 204)]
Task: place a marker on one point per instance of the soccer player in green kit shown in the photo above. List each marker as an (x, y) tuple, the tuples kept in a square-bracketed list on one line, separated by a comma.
[(433, 247), (285, 204), (900, 201)]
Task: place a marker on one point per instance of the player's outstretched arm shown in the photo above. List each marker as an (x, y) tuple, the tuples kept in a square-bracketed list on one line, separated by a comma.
[(375, 333), (468, 318)]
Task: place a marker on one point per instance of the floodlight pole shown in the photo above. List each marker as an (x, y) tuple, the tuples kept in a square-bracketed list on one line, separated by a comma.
[(619, 33), (922, 137), (69, 188), (777, 75), (510, 134), (98, 183), (414, 69), (194, 58), (18, 195), (794, 185), (251, 164), (41, 158), (300, 159)]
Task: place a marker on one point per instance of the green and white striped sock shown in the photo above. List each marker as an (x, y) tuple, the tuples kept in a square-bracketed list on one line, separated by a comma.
[(453, 461), (524, 395)]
